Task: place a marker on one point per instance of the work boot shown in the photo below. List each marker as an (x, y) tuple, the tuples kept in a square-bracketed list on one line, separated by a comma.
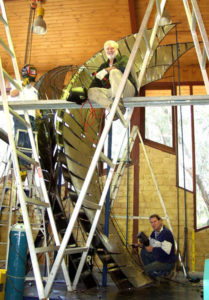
[(121, 107)]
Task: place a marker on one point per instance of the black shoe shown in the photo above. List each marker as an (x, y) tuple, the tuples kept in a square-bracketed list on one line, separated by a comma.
[(122, 109)]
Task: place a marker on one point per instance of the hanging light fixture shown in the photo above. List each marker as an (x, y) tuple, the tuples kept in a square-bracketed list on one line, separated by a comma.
[(165, 18), (39, 25)]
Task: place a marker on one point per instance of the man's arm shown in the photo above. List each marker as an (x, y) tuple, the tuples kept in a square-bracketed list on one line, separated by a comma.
[(121, 63), (14, 93), (97, 80), (165, 245)]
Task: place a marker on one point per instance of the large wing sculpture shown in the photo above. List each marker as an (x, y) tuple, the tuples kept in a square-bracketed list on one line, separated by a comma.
[(78, 132)]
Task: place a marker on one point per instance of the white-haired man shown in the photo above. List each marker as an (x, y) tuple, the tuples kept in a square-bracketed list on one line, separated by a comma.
[(108, 76)]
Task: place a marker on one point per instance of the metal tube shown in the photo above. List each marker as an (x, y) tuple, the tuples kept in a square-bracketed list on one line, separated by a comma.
[(127, 197), (107, 208), (128, 102)]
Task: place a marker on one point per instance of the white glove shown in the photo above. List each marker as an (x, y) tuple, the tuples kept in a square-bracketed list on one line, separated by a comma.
[(154, 243), (165, 245), (101, 74)]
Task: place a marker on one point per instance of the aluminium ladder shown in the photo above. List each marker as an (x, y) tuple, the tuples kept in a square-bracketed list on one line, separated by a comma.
[(98, 153), (9, 208), (45, 202), (118, 175), (195, 19), (6, 217)]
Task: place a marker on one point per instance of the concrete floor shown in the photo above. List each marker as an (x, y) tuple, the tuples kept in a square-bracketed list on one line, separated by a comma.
[(180, 289)]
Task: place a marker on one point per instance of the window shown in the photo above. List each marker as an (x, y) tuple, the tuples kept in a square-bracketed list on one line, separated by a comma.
[(117, 136), (158, 123), (201, 125), (157, 127), (185, 166)]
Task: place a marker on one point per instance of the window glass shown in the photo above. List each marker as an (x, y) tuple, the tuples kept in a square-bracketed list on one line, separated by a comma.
[(185, 143), (117, 135), (201, 117), (158, 120)]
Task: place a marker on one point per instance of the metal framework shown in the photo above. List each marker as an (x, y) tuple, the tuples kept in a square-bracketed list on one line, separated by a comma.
[(193, 18), (97, 155), (130, 102)]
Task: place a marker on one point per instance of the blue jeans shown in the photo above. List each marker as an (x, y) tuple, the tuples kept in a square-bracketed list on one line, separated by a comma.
[(155, 268)]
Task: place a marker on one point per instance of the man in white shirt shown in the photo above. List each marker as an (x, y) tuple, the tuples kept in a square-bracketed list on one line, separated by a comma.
[(29, 92), (108, 77)]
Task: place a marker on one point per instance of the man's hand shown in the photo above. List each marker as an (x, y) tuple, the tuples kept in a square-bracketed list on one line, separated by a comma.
[(109, 69), (14, 93), (38, 114), (101, 74), (149, 248), (137, 245)]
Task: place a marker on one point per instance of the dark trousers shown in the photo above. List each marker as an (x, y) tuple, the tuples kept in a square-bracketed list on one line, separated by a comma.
[(153, 267)]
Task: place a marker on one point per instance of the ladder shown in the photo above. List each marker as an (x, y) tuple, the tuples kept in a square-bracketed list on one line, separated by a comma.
[(195, 19), (9, 208), (98, 152), (6, 206), (119, 173), (24, 201)]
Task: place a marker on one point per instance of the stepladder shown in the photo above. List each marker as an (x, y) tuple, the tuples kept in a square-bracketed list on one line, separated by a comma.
[(39, 200), (10, 210)]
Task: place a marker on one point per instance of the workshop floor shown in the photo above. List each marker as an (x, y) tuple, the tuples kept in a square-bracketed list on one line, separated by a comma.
[(180, 289)]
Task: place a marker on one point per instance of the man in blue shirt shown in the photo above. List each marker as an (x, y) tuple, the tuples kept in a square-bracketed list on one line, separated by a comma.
[(159, 256)]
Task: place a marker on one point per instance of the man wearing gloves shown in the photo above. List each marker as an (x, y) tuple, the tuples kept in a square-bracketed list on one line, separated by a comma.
[(159, 256), (108, 76)]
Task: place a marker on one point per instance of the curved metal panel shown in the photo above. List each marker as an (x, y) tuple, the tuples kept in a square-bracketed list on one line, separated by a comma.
[(77, 135)]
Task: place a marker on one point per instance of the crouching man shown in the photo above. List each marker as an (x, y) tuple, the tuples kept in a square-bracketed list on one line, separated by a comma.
[(159, 256)]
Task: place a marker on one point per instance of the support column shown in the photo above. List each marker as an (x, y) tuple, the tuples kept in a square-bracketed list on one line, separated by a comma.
[(131, 4), (135, 160)]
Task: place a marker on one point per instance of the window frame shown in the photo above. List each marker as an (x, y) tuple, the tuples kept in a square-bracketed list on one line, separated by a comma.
[(194, 166), (148, 142)]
